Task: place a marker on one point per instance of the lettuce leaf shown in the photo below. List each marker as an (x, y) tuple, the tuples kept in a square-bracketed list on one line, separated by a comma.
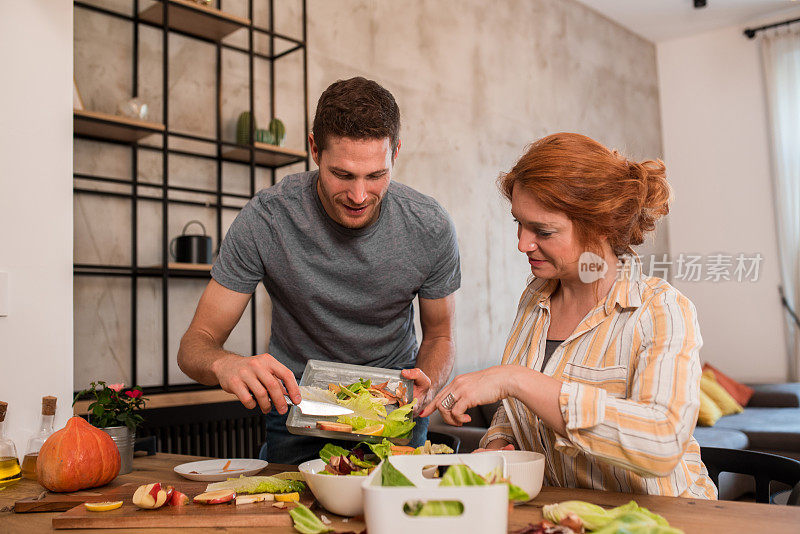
[(636, 522), (397, 429), (248, 485), (515, 493), (433, 508), (461, 475), (306, 522), (629, 518), (593, 516), (330, 450), (402, 413), (366, 405), (382, 450), (633, 506), (360, 463), (356, 421), (390, 476)]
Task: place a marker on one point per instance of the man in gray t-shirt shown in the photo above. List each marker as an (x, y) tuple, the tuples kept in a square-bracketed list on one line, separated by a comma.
[(343, 252)]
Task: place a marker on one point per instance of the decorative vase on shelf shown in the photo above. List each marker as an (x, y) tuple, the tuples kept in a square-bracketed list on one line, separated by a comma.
[(133, 108), (124, 440), (275, 135)]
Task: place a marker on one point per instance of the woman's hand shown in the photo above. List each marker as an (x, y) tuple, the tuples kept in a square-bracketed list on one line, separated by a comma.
[(498, 444), (468, 390)]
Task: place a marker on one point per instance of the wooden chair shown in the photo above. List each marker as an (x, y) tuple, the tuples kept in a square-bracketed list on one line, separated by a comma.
[(763, 467)]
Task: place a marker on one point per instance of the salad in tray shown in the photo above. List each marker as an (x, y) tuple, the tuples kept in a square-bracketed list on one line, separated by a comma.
[(369, 403)]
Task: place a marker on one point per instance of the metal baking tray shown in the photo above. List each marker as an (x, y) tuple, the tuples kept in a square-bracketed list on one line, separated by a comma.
[(319, 374)]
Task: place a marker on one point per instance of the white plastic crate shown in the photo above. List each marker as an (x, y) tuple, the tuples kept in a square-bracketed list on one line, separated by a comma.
[(485, 507)]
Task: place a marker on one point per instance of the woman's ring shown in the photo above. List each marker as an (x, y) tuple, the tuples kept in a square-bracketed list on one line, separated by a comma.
[(449, 401)]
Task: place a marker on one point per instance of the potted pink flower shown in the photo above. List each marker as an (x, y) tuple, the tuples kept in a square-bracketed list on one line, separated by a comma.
[(114, 412)]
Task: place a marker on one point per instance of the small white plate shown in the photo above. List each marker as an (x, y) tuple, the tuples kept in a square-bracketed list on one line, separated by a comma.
[(211, 470)]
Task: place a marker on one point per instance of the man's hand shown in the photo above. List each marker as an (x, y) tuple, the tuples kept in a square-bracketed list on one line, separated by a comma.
[(422, 386), (437, 349), (257, 379)]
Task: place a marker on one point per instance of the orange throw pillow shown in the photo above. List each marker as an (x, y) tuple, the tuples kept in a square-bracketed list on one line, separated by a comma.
[(737, 390)]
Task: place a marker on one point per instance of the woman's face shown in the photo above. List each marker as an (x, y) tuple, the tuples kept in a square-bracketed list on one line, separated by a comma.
[(545, 237)]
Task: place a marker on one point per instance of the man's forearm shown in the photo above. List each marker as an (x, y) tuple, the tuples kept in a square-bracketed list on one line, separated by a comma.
[(197, 355), (436, 357)]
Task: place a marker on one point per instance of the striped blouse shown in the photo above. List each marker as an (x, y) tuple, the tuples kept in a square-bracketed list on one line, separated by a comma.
[(630, 393)]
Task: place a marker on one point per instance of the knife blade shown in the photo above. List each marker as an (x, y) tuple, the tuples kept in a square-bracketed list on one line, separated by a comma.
[(319, 409)]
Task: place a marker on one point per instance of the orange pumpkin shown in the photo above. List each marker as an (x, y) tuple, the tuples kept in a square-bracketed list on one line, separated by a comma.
[(77, 457)]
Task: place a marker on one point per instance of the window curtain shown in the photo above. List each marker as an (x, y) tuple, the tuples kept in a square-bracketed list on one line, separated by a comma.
[(780, 50)]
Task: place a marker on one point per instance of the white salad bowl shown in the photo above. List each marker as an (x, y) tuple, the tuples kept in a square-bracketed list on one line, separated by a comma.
[(338, 494), (525, 469)]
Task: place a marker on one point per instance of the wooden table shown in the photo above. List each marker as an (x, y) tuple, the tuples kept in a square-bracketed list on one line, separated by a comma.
[(693, 516)]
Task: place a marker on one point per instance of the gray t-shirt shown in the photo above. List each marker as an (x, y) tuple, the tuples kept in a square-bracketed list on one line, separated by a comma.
[(340, 294)]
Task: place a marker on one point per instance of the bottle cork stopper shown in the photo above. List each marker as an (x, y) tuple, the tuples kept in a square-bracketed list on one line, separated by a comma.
[(3, 407), (49, 405)]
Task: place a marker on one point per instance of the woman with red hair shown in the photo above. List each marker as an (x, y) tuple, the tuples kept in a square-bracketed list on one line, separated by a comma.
[(601, 371)]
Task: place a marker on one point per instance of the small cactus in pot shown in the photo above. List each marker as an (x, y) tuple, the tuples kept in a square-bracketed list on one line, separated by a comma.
[(243, 128), (278, 131)]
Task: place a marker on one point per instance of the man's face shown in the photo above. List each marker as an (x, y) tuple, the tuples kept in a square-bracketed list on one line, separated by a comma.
[(354, 176)]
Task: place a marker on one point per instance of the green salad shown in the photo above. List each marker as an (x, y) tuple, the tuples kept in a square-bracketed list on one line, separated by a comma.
[(364, 457), (456, 475), (369, 402)]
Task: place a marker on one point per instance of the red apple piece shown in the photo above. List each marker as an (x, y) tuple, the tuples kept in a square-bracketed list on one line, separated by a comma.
[(216, 496), (178, 499), (335, 427), (150, 496), (154, 489)]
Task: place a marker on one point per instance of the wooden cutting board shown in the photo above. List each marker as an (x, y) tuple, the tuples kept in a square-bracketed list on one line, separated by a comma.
[(61, 502), (261, 514)]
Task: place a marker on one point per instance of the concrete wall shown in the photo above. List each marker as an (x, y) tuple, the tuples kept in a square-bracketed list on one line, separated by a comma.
[(716, 146), (475, 81), (36, 211)]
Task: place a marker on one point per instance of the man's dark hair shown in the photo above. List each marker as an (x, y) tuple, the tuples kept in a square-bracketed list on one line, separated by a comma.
[(358, 109)]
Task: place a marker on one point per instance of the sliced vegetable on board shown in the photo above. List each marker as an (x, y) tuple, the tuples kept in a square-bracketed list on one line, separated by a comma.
[(262, 484)]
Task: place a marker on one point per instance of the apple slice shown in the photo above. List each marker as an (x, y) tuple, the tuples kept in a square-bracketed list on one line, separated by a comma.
[(178, 499), (151, 496), (336, 427), (256, 497), (216, 496)]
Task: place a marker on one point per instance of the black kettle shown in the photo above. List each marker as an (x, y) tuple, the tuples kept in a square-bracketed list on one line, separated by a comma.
[(192, 248)]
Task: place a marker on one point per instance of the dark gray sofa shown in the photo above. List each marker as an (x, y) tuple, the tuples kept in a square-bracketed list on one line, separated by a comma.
[(771, 420)]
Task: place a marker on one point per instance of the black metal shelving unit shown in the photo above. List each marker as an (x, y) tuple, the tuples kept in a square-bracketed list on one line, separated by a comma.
[(210, 25)]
